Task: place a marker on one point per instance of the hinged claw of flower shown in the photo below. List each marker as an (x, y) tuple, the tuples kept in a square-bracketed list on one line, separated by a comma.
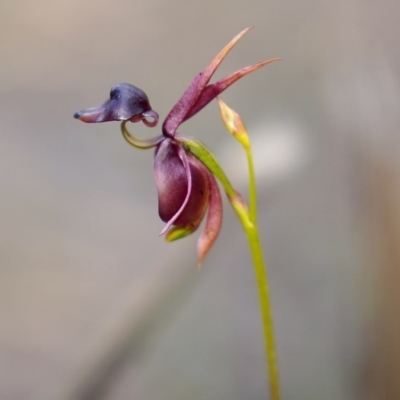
[(186, 186)]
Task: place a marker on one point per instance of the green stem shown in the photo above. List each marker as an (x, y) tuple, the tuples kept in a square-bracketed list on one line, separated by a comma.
[(265, 305), (260, 270), (252, 184), (248, 219)]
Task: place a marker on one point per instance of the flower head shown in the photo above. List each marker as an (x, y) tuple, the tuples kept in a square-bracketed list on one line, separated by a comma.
[(126, 103), (186, 188)]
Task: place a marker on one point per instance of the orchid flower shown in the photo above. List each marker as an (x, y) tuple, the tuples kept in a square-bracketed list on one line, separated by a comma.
[(186, 171), (186, 187)]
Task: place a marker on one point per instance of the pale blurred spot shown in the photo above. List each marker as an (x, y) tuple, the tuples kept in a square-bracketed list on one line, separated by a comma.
[(279, 151)]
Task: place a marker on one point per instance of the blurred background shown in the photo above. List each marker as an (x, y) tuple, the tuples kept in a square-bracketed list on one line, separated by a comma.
[(95, 305)]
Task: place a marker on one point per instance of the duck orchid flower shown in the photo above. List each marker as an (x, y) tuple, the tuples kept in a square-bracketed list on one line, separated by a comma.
[(186, 187)]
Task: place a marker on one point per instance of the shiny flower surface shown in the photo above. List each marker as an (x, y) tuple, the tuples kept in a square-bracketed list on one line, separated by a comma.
[(126, 103)]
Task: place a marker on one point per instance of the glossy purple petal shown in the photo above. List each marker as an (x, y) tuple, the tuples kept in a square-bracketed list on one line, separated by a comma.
[(126, 102), (183, 186), (173, 180), (178, 113), (196, 206)]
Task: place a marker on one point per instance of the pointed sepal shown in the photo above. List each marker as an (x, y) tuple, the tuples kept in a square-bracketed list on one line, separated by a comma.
[(213, 222), (183, 107), (213, 90)]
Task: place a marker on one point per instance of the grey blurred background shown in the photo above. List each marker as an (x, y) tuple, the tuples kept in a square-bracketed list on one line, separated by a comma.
[(95, 305)]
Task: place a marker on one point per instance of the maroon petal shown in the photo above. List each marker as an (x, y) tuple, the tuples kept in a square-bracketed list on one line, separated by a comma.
[(183, 187), (178, 113), (173, 181), (196, 206), (176, 116), (212, 91), (213, 223), (126, 102)]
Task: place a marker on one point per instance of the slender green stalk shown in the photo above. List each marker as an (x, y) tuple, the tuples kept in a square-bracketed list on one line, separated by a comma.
[(260, 271), (248, 218), (249, 223), (252, 184)]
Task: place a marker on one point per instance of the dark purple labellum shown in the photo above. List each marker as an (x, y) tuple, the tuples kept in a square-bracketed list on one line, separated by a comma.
[(126, 102)]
